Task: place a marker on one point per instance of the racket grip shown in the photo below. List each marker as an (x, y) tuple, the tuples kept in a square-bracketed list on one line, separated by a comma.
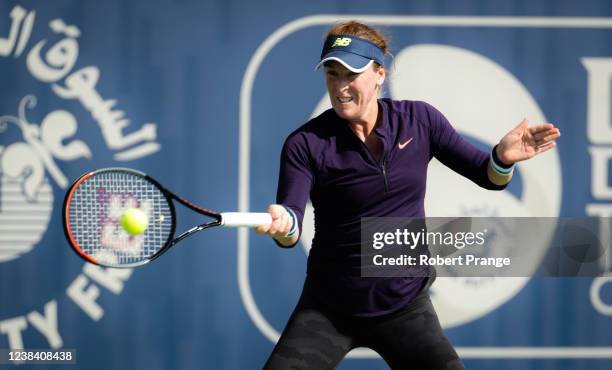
[(245, 219)]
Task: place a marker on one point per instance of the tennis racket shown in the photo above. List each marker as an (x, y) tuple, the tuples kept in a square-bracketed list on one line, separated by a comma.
[(95, 202)]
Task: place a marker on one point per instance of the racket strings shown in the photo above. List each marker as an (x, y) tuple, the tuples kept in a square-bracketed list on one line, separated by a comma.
[(96, 208)]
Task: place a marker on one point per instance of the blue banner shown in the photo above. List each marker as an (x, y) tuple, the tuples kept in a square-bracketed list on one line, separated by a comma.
[(201, 95)]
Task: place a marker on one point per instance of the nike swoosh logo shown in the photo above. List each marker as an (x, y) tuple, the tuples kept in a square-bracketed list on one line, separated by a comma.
[(402, 146)]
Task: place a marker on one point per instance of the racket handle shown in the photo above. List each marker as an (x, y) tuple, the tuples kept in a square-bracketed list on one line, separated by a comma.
[(245, 219)]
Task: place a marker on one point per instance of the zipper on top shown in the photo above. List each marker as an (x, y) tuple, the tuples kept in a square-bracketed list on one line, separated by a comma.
[(382, 164), (383, 167)]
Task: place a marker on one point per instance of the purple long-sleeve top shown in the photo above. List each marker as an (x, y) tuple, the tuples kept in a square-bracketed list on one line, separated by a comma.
[(325, 160)]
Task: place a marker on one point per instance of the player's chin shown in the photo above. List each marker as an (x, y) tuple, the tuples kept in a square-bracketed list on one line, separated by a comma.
[(347, 113)]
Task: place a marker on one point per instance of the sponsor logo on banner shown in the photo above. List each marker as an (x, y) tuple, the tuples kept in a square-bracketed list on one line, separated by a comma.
[(30, 166)]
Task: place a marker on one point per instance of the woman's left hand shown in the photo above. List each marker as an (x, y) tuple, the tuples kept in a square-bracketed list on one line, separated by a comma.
[(524, 142)]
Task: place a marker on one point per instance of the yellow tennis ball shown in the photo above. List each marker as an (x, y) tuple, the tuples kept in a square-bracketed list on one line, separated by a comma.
[(134, 221)]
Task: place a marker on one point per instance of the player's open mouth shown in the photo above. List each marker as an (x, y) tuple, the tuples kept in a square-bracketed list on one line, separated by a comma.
[(344, 100)]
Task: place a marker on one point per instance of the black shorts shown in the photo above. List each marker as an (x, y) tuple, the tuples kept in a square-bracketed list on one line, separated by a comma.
[(318, 338)]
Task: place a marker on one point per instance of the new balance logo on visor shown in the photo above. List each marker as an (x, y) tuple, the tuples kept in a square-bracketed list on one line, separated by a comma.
[(342, 41)]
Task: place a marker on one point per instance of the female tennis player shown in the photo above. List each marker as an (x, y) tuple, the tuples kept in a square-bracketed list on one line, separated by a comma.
[(368, 157)]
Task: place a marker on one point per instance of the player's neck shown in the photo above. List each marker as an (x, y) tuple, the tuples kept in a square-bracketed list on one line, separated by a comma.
[(364, 126)]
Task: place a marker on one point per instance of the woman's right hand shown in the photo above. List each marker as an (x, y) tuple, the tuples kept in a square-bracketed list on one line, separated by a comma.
[(281, 225)]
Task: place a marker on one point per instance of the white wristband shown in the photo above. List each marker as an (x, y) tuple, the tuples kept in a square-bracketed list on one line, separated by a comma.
[(294, 227)]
